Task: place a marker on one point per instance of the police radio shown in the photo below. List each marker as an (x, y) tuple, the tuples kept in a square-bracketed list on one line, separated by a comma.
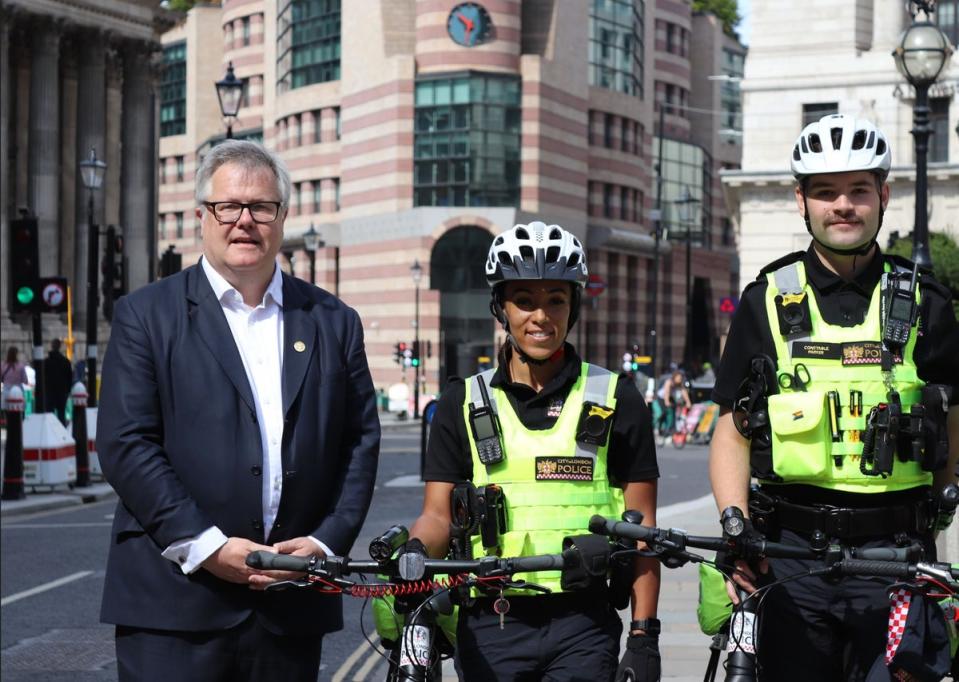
[(486, 429), (899, 304)]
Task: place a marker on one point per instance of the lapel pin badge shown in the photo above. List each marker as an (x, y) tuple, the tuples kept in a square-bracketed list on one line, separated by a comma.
[(299, 346)]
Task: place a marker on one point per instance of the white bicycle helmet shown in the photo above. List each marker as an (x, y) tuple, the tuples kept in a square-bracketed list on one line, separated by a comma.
[(838, 144), (531, 252), (536, 251)]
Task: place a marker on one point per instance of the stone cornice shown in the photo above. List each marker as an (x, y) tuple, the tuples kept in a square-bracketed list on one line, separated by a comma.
[(122, 18)]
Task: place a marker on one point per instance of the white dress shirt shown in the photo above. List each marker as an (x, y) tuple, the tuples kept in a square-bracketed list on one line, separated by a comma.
[(258, 333)]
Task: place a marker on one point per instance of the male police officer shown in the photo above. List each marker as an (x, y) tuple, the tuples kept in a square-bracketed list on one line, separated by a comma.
[(830, 346)]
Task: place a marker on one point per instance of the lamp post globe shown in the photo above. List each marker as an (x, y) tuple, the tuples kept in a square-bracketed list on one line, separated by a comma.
[(229, 90), (922, 53), (311, 242)]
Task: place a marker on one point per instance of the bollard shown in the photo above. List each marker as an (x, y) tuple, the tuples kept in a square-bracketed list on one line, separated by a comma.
[(78, 394), (13, 462)]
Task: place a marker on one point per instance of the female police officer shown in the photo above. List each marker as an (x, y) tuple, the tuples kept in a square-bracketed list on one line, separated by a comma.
[(545, 471), (816, 341)]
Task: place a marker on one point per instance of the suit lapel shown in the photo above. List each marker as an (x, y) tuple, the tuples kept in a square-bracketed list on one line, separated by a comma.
[(299, 341), (210, 323)]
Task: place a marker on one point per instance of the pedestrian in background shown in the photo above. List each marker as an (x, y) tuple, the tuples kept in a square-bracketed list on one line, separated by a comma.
[(13, 373), (237, 413), (57, 380)]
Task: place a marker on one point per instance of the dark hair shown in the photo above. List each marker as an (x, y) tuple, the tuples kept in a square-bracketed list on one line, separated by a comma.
[(12, 353)]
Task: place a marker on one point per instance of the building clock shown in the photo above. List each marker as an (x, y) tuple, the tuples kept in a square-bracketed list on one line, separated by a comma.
[(469, 24)]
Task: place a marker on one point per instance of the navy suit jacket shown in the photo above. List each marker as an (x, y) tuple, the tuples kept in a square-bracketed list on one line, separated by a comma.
[(178, 439)]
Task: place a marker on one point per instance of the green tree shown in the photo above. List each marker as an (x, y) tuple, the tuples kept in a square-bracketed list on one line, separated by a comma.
[(945, 260), (180, 5), (726, 10)]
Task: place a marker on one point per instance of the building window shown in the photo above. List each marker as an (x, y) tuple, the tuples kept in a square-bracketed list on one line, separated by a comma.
[(730, 97), (336, 194), (624, 134), (939, 122), (813, 112), (624, 203), (173, 90), (947, 16), (686, 165), (336, 112), (245, 24), (245, 96), (727, 237), (308, 43), (607, 200), (179, 169), (608, 131), (161, 226), (677, 39), (674, 97), (162, 171), (179, 225), (467, 141), (616, 45)]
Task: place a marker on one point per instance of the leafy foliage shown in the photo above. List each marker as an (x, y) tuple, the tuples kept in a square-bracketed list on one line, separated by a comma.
[(180, 5), (726, 10), (945, 260)]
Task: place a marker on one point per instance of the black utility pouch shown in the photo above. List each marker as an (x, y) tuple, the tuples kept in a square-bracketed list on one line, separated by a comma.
[(492, 516), (935, 400), (585, 562)]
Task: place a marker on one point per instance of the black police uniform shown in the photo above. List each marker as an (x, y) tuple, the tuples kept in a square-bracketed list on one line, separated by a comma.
[(568, 636), (818, 628)]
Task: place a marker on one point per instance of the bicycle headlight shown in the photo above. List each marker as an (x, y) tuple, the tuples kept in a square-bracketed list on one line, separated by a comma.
[(733, 521)]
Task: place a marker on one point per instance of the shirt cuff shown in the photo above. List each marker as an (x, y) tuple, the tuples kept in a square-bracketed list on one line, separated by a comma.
[(189, 553), (326, 550)]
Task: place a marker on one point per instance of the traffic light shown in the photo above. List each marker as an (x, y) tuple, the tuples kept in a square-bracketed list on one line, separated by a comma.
[(399, 353), (119, 266), (407, 355), (635, 364), (24, 265), (415, 359), (108, 272)]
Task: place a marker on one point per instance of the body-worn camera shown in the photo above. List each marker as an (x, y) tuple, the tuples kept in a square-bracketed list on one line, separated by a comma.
[(595, 423)]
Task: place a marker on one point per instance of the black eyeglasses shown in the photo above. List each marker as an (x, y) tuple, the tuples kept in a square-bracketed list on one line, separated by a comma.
[(230, 211)]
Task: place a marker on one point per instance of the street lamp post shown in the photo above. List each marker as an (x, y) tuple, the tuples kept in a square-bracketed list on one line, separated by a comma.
[(417, 272), (658, 220), (92, 171), (229, 90), (921, 55), (311, 242), (686, 204)]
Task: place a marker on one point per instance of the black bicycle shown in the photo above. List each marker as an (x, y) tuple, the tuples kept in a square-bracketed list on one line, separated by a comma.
[(738, 639), (414, 580)]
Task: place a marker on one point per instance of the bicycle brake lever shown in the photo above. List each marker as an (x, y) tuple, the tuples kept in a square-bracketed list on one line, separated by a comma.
[(285, 584), (523, 585)]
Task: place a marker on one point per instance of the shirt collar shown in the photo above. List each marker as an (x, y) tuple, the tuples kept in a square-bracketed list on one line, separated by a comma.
[(566, 376), (222, 288), (825, 280)]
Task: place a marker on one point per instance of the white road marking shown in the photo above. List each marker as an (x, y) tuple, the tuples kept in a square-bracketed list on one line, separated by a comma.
[(46, 586), (344, 669), (373, 659), (683, 507), (408, 481)]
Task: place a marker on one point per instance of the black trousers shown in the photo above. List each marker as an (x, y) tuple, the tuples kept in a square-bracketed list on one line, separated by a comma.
[(566, 637), (245, 652), (818, 628)]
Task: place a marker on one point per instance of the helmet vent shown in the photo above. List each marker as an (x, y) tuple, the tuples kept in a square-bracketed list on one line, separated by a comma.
[(814, 144), (522, 234), (504, 259), (526, 253), (836, 135), (871, 140), (880, 147), (498, 240), (859, 139), (573, 261), (552, 254), (576, 242), (796, 155), (554, 234)]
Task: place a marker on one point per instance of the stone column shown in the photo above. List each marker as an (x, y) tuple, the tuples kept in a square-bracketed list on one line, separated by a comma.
[(138, 191), (44, 150), (91, 133), (69, 198)]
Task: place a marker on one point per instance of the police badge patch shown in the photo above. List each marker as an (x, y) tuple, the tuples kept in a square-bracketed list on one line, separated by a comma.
[(555, 407), (564, 469)]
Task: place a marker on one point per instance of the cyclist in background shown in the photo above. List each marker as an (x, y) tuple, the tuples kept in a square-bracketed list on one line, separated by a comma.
[(547, 474), (808, 375)]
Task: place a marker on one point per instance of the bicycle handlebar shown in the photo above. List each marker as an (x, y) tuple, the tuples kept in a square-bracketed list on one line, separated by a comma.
[(483, 566)]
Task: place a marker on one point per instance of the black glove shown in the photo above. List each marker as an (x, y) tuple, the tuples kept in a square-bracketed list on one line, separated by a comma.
[(640, 661)]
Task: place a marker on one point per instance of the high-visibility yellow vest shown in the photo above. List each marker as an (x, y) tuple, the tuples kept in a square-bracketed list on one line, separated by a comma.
[(544, 479), (841, 359)]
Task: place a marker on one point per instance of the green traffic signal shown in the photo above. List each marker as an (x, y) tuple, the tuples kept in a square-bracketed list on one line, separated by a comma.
[(635, 366), (415, 362), (25, 295)]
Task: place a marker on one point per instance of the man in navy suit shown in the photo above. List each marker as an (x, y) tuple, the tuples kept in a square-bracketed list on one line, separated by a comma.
[(237, 413)]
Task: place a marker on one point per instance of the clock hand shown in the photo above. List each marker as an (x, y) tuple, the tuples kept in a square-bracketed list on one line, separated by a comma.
[(468, 27)]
